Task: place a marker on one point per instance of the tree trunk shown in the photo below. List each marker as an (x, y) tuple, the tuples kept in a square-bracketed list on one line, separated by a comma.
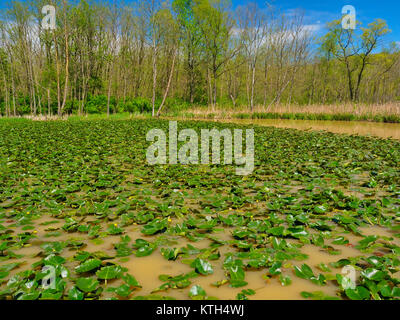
[(48, 102), (253, 80), (109, 90), (153, 99), (58, 74), (169, 82), (66, 61)]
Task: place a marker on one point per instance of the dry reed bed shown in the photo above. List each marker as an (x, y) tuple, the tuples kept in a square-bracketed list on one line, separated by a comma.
[(357, 110)]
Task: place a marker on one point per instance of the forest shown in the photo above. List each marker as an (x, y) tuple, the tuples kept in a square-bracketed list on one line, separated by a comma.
[(155, 56)]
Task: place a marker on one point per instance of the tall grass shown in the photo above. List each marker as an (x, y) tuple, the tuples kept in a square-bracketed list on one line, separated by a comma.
[(389, 113)]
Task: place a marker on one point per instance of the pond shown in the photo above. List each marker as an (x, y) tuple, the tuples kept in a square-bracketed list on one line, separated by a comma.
[(87, 206), (383, 130)]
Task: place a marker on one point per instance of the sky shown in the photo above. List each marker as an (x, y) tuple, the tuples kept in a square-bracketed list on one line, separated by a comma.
[(319, 12)]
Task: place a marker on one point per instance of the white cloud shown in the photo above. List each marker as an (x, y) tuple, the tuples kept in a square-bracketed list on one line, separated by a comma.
[(313, 27)]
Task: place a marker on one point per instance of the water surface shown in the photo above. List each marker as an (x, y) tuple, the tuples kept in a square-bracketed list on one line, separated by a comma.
[(378, 129)]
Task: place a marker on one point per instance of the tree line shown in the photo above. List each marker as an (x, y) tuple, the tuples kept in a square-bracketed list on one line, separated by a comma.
[(153, 55)]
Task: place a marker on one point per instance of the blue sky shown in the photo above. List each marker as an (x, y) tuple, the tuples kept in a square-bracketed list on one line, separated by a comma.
[(323, 11), (319, 12)]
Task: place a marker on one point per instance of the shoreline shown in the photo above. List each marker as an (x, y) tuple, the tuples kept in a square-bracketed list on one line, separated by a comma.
[(379, 118), (390, 119)]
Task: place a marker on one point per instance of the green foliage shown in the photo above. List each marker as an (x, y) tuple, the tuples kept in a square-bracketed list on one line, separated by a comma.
[(98, 104), (136, 105), (115, 214)]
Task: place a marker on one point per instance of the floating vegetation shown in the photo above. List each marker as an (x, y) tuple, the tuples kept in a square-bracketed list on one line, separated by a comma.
[(83, 216)]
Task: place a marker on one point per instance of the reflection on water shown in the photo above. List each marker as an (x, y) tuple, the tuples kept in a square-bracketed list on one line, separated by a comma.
[(383, 130)]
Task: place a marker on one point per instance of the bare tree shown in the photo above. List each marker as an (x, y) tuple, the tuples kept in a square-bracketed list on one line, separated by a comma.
[(253, 28), (289, 46)]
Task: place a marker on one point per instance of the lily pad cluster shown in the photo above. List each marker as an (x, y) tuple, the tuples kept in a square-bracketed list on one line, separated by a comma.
[(69, 186)]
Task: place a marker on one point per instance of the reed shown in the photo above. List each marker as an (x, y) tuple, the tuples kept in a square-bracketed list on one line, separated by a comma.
[(344, 112)]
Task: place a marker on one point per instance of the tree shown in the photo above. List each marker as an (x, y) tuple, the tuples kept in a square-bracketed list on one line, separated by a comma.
[(354, 50), (253, 28), (191, 39), (150, 9), (289, 45), (216, 27), (171, 39)]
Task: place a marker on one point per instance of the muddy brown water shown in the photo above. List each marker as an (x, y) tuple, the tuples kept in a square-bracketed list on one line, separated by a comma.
[(377, 129), (147, 269)]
